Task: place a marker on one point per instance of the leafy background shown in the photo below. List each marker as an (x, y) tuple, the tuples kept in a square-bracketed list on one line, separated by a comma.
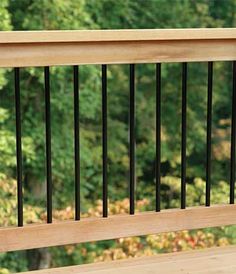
[(113, 14)]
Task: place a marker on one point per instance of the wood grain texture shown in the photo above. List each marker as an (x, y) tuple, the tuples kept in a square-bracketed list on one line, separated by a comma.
[(208, 261), (125, 52), (116, 35), (48, 48), (94, 229)]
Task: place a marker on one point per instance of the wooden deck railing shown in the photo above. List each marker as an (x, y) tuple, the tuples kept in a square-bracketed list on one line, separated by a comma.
[(25, 49)]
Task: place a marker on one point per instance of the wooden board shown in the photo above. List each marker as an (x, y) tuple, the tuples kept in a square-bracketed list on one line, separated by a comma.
[(25, 49), (116, 226), (116, 35), (208, 261), (50, 54)]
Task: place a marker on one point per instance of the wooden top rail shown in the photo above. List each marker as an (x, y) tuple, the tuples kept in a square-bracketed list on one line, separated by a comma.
[(47, 48), (115, 35)]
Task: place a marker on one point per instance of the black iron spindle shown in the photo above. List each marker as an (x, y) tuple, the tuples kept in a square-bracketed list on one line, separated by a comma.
[(233, 137), (18, 148), (209, 129), (48, 144), (184, 135), (76, 143), (158, 137), (132, 138), (104, 138)]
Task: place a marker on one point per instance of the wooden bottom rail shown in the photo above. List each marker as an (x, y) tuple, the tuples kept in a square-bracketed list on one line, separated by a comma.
[(116, 226)]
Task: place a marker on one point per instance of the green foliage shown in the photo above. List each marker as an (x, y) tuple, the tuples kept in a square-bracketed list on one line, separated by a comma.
[(12, 262), (5, 23), (48, 15)]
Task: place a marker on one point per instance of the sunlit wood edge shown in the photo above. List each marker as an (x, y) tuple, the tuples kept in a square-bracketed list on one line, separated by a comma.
[(116, 226)]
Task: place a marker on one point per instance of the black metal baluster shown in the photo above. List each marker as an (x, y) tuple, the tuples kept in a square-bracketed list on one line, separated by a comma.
[(132, 137), (158, 137), (104, 138), (209, 129), (184, 135), (233, 137), (48, 144), (76, 143), (18, 148)]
